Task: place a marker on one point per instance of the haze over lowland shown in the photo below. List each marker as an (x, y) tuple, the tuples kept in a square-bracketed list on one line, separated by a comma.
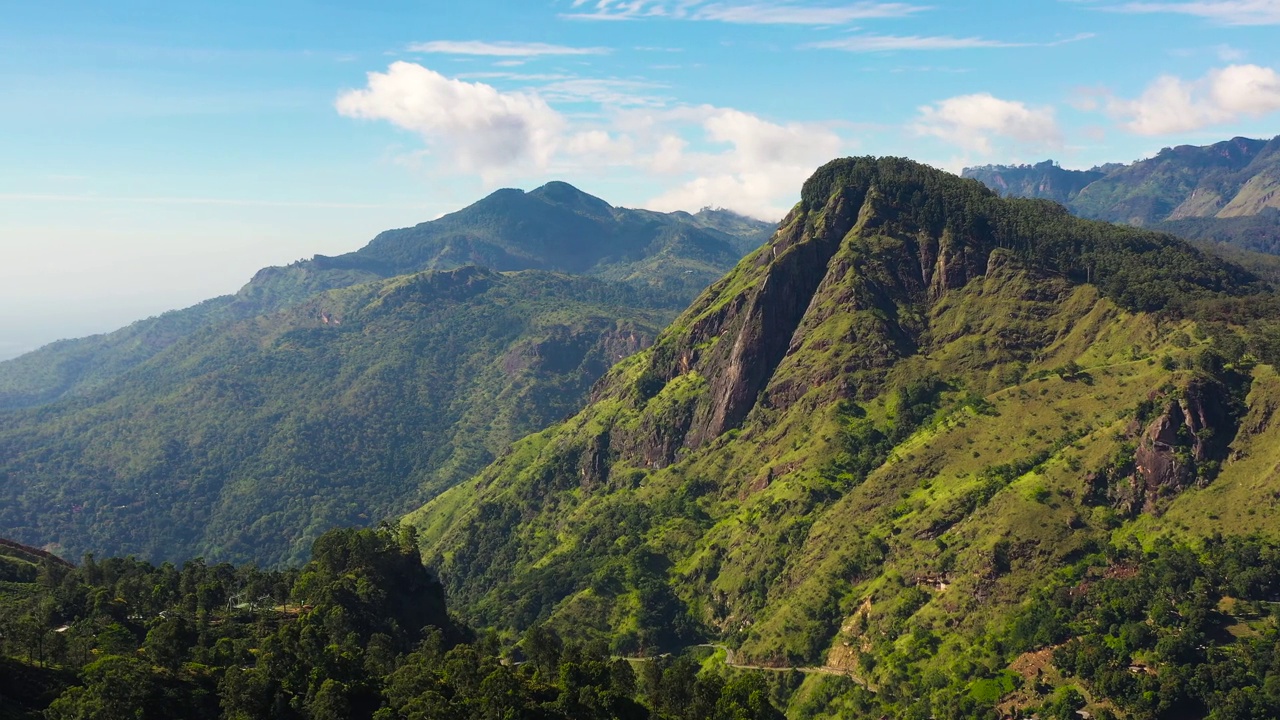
[(159, 155)]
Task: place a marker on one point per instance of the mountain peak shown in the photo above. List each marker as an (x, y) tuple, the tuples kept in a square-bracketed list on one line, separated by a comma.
[(567, 196)]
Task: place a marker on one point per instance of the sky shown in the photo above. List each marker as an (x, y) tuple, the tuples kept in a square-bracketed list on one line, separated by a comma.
[(159, 153)]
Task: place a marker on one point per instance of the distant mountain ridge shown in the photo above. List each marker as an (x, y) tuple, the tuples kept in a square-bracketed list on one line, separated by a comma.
[(1046, 180), (1225, 192), (556, 228), (343, 390), (247, 439)]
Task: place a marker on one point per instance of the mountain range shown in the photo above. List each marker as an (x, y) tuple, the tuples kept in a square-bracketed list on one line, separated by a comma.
[(342, 391), (556, 228), (1228, 192), (863, 450), (926, 452)]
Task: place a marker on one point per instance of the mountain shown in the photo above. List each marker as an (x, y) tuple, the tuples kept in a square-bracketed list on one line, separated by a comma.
[(1046, 180), (246, 440), (556, 228), (1228, 192), (891, 448)]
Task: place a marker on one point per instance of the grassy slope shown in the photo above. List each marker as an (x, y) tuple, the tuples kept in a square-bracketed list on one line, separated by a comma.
[(770, 535)]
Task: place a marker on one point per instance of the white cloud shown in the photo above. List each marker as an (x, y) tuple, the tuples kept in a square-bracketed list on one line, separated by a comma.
[(1171, 104), (481, 129), (1226, 12), (604, 91), (501, 49), (883, 43), (764, 166), (743, 13), (975, 122), (713, 156), (794, 14), (757, 142)]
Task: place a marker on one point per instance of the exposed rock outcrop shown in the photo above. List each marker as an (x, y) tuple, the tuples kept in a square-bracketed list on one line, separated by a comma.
[(1181, 448)]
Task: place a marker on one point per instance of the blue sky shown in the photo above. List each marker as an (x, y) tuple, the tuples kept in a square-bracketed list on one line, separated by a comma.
[(158, 153)]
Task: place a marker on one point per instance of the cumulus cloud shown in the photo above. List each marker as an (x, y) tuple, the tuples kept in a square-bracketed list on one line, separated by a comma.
[(1171, 104), (764, 163), (1226, 12), (711, 155), (481, 129), (975, 122)]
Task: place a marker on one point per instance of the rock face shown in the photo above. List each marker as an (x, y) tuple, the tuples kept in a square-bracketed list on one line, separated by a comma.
[(1181, 448), (1046, 180)]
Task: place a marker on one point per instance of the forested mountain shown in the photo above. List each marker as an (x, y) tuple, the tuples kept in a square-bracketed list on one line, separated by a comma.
[(361, 632), (246, 440), (909, 447), (556, 228), (1046, 180), (1228, 192), (341, 391)]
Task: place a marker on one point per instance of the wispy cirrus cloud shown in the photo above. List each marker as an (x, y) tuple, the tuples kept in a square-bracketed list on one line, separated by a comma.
[(1225, 12), (741, 13), (888, 43), (501, 49)]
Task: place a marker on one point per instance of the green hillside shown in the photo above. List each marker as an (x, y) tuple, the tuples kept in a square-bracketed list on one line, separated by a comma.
[(1228, 192), (556, 228), (360, 632), (246, 440), (863, 452)]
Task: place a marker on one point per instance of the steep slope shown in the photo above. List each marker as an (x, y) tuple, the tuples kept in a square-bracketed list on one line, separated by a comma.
[(556, 228), (866, 444), (247, 440), (1228, 179), (1046, 180), (1228, 192)]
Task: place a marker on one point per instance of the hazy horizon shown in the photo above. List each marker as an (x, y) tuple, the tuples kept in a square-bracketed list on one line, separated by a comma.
[(160, 155)]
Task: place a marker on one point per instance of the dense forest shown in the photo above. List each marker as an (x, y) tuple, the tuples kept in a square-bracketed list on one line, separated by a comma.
[(246, 441), (361, 631)]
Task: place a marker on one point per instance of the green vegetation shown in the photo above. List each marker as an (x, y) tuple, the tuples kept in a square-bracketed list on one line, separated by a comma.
[(1223, 194), (345, 390), (929, 453), (246, 441), (556, 228), (360, 632), (1173, 632), (856, 456)]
